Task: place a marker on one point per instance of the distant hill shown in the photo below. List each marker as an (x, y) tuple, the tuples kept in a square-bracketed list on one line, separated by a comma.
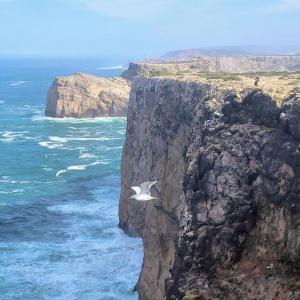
[(214, 64), (189, 54), (192, 54)]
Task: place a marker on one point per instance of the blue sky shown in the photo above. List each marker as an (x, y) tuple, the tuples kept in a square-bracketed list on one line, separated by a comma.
[(143, 28)]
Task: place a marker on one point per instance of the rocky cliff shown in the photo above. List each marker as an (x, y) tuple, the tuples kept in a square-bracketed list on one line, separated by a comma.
[(86, 96), (227, 222), (83, 95), (230, 64)]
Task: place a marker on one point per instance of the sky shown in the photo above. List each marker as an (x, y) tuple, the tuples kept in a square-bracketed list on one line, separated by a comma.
[(143, 28)]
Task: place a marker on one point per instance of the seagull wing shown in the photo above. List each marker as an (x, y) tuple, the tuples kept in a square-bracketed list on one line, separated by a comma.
[(145, 186), (137, 189)]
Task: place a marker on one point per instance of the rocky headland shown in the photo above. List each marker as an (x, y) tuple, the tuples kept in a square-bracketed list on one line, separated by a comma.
[(87, 96), (226, 150), (225, 64)]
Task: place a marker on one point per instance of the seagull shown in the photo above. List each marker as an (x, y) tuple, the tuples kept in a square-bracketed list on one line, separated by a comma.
[(142, 192)]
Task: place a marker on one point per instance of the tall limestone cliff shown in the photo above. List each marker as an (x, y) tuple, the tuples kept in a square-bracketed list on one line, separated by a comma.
[(226, 225), (87, 96), (229, 64)]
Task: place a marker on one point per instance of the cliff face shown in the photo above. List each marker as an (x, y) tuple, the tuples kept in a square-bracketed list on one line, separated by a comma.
[(227, 222), (83, 96), (230, 64)]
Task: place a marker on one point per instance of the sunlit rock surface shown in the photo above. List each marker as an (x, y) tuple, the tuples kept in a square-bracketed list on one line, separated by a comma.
[(86, 96)]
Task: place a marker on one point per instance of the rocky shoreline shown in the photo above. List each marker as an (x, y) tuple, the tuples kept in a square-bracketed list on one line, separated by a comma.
[(227, 223)]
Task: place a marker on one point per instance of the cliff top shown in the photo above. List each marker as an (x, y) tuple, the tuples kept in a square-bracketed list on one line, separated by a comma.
[(84, 77), (86, 96), (278, 84), (94, 84)]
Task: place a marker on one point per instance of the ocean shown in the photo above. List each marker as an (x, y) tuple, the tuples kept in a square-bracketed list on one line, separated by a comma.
[(59, 192)]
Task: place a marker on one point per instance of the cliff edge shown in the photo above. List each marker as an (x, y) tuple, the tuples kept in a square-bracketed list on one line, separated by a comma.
[(87, 96), (213, 64), (228, 162), (84, 96)]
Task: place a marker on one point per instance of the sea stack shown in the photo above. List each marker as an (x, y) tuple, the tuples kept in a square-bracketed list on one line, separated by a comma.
[(87, 96)]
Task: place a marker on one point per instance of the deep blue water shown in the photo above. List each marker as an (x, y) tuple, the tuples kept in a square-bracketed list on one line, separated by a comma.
[(59, 190)]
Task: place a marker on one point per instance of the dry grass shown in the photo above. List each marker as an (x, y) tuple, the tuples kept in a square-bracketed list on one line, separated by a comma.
[(278, 84)]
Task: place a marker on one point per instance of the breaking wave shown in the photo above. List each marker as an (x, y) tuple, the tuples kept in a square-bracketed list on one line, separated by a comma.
[(10, 136), (17, 82), (82, 120), (81, 167), (120, 67)]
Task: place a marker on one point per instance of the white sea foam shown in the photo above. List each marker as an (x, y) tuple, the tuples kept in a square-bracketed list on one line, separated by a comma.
[(97, 163), (7, 181), (120, 67), (57, 139), (50, 145), (71, 168), (10, 136), (102, 162), (69, 139), (14, 181), (86, 155), (16, 191), (47, 169), (60, 172), (77, 168), (13, 133), (78, 121), (18, 82), (93, 139), (81, 167), (2, 101)]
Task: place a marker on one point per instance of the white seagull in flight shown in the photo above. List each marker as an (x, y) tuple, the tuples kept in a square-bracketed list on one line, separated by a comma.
[(142, 192)]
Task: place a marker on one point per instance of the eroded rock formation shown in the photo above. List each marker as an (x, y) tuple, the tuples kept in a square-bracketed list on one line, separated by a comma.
[(227, 223), (229, 64), (86, 96)]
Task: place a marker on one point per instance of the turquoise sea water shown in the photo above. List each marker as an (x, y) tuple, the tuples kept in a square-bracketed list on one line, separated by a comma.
[(59, 190)]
